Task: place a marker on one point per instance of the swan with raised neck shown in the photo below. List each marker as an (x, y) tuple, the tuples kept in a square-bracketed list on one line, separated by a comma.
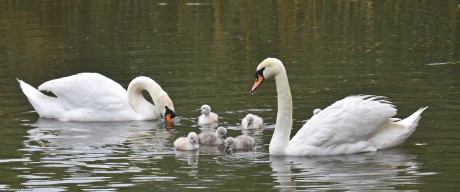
[(358, 123)]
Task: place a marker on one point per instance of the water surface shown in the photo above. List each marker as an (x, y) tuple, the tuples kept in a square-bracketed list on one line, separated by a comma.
[(206, 52)]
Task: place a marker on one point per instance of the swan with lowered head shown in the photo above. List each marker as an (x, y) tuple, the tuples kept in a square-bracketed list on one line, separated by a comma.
[(354, 124), (188, 143), (94, 97), (242, 142), (252, 121), (213, 137), (207, 117)]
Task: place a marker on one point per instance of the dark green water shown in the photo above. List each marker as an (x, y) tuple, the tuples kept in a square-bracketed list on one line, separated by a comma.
[(206, 52)]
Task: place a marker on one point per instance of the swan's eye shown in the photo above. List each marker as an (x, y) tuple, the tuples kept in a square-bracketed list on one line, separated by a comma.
[(260, 72)]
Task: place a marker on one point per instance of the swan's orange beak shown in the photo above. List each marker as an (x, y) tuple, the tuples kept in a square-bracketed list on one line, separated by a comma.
[(168, 117), (169, 114), (259, 79)]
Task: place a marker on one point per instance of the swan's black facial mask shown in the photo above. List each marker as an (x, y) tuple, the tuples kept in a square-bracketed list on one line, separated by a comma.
[(169, 114), (259, 79)]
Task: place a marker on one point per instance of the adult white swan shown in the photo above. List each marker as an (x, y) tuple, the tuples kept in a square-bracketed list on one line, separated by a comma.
[(354, 124), (94, 97)]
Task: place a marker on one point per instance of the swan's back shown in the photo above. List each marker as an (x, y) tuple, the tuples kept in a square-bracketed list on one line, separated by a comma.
[(346, 124), (90, 90)]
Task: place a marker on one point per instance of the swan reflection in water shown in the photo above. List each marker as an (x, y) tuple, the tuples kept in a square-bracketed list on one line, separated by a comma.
[(98, 137), (96, 148), (191, 157), (367, 171)]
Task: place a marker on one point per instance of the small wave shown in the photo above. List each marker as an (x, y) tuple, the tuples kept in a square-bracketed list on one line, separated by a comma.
[(439, 63)]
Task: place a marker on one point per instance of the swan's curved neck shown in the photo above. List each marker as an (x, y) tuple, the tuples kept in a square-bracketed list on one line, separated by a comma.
[(281, 135), (137, 100)]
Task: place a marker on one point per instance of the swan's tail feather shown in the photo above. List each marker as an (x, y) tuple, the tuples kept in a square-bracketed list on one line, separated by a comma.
[(412, 121), (29, 91), (396, 132), (40, 102)]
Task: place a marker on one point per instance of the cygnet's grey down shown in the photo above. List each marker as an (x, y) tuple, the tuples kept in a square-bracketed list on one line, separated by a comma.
[(188, 143), (252, 121), (242, 142), (213, 137), (207, 117)]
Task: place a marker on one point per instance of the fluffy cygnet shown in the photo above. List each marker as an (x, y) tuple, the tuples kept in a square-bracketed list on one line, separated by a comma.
[(316, 111), (188, 143), (207, 117), (252, 121), (213, 137), (241, 142)]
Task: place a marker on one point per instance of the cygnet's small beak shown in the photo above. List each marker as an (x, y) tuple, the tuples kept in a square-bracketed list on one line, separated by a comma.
[(228, 149), (198, 110)]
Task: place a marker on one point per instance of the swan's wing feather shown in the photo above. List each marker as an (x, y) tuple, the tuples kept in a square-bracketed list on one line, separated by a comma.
[(347, 121), (90, 90)]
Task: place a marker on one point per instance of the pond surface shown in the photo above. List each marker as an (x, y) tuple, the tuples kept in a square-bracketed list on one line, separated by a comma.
[(206, 52)]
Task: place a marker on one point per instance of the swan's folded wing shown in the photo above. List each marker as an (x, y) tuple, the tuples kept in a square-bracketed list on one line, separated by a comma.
[(350, 120), (86, 90)]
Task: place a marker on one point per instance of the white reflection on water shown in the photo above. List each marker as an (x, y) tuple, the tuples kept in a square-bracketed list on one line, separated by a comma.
[(112, 155), (84, 151), (96, 137), (190, 156), (381, 170)]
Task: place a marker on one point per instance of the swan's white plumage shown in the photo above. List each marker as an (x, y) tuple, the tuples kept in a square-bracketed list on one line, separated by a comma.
[(354, 124), (94, 97), (344, 127)]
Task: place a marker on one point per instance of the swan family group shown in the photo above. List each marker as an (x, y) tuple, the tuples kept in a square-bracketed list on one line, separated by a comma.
[(357, 123)]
